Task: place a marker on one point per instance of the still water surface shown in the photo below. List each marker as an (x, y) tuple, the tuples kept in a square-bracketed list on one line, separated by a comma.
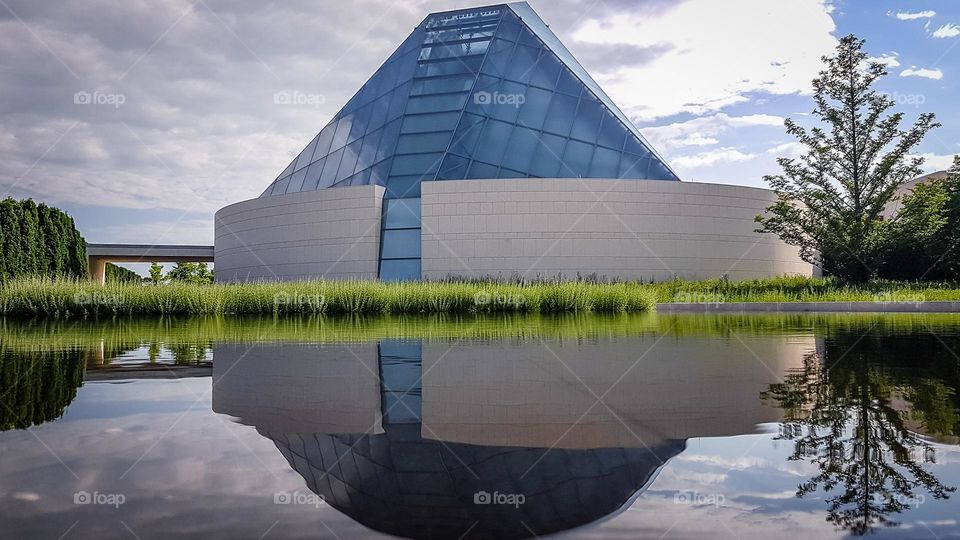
[(583, 427)]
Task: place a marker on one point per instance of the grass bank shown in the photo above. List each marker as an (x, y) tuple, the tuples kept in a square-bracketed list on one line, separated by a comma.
[(66, 299), (801, 289)]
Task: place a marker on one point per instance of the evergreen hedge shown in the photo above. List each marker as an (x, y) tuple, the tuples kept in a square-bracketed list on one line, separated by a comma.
[(39, 240)]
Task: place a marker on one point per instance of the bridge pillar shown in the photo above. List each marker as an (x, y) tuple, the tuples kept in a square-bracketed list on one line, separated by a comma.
[(98, 270)]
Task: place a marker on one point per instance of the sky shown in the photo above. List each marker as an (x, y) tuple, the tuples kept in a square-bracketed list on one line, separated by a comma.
[(142, 118)]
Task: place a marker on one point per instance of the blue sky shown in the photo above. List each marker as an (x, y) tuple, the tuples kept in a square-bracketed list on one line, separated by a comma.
[(183, 119)]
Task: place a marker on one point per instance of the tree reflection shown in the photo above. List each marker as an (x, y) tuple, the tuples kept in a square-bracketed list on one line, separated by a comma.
[(37, 386), (862, 409)]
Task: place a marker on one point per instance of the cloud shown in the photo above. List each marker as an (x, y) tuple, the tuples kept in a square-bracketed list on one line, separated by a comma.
[(935, 162), (790, 149), (709, 66), (889, 60), (947, 31), (712, 157), (914, 71), (913, 15), (703, 131)]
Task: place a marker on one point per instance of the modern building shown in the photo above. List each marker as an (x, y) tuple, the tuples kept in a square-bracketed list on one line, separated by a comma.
[(481, 147)]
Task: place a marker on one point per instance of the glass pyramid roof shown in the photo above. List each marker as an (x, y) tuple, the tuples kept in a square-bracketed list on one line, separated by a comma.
[(486, 92)]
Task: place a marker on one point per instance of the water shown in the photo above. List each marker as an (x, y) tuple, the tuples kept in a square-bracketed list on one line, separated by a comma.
[(583, 427)]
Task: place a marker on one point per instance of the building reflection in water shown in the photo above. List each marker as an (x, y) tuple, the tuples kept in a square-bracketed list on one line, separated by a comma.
[(494, 439)]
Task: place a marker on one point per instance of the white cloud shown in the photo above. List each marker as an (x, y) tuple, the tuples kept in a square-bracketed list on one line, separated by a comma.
[(704, 130), (913, 15), (935, 162), (712, 157), (790, 149), (888, 60), (947, 31), (707, 66), (914, 71)]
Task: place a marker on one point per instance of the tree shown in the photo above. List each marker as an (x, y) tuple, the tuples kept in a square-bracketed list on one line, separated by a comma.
[(156, 274), (830, 200), (191, 273)]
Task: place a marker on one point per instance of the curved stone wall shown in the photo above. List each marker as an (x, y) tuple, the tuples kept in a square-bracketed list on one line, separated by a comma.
[(332, 233), (626, 229)]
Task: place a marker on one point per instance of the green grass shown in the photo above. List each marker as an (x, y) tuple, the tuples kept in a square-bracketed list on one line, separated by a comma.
[(65, 299), (801, 289)]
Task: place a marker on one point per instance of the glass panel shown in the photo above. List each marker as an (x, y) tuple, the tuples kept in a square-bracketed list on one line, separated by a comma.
[(378, 113), (419, 164), (452, 168), (658, 171), (520, 149), (482, 95), (527, 38), (281, 186), (534, 109), (296, 181), (546, 71), (509, 173), (508, 30), (349, 161), (453, 50), (560, 118), (313, 175), (456, 83), (634, 146), (323, 142), (343, 132), (360, 120), (522, 64), (568, 83), (436, 103), (368, 152), (467, 135), (401, 244), (388, 141), (498, 58), (546, 157), (604, 163), (482, 170), (587, 122), (470, 64), (379, 172), (576, 159), (424, 142), (493, 141), (398, 101), (400, 270), (401, 214), (505, 103), (632, 166), (306, 155), (612, 132), (400, 187), (422, 123), (329, 174)]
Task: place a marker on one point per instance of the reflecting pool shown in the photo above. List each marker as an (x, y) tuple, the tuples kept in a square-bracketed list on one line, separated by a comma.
[(580, 426)]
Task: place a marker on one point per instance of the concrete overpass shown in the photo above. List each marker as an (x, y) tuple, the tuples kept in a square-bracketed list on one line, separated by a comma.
[(98, 255)]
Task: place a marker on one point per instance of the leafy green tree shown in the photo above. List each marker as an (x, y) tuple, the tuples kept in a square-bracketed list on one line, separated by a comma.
[(31, 239), (12, 246), (156, 274), (191, 273), (119, 274), (830, 200)]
